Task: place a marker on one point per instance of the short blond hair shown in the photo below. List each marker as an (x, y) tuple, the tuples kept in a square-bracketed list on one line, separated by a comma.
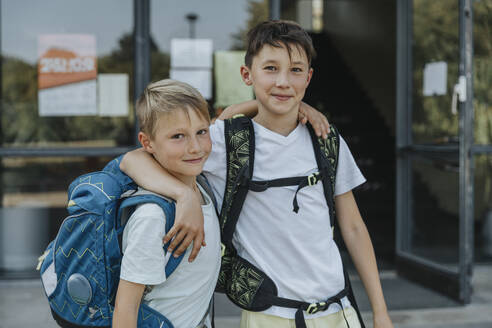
[(164, 97)]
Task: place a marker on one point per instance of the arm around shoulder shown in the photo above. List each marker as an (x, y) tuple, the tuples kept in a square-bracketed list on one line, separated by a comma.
[(147, 173), (248, 108), (188, 224)]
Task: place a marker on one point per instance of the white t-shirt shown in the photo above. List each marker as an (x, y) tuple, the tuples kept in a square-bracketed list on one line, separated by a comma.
[(184, 297), (296, 250)]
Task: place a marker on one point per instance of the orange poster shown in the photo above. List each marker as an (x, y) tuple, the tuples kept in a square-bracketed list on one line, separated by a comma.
[(67, 73)]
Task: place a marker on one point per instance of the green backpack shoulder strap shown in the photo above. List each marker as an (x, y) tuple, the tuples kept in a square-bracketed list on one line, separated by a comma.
[(240, 149), (326, 152)]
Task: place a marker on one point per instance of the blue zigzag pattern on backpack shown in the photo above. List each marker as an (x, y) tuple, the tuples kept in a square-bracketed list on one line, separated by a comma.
[(80, 268)]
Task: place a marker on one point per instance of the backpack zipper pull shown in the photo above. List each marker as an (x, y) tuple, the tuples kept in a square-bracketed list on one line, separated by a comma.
[(41, 259)]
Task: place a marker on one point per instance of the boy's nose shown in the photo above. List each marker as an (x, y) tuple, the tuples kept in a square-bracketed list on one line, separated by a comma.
[(194, 145), (282, 80)]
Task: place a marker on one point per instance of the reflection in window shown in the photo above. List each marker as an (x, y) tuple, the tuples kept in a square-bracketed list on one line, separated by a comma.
[(483, 207), (434, 232), (435, 39), (196, 19), (482, 69), (43, 180), (24, 35)]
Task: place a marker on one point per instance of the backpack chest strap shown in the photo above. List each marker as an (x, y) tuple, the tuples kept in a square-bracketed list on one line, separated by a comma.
[(301, 182)]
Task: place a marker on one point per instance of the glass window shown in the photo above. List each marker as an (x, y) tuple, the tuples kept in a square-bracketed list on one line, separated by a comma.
[(435, 42), (197, 19), (483, 208), (55, 87), (482, 69), (34, 199), (433, 233)]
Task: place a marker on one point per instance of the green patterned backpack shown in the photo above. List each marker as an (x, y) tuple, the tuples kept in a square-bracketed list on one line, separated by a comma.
[(244, 284)]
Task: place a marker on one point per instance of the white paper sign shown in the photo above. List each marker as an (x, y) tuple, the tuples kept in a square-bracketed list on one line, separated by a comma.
[(75, 99), (435, 79), (199, 79), (113, 94), (196, 53)]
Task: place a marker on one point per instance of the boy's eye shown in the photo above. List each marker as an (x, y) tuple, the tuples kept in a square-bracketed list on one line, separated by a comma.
[(177, 136), (297, 69), (202, 132), (270, 68)]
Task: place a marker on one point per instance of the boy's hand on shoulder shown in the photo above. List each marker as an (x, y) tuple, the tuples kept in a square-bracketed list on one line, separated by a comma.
[(317, 119), (248, 108), (188, 226)]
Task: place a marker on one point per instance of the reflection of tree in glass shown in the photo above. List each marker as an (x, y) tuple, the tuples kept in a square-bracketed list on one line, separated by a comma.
[(482, 102), (258, 12), (22, 126), (436, 38)]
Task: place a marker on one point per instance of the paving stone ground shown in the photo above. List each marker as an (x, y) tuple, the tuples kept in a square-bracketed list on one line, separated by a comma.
[(23, 305)]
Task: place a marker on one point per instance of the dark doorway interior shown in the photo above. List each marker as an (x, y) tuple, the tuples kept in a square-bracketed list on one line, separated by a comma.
[(335, 90)]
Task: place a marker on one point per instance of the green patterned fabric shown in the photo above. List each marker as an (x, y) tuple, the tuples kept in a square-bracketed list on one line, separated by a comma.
[(238, 158), (225, 270), (244, 283), (329, 148)]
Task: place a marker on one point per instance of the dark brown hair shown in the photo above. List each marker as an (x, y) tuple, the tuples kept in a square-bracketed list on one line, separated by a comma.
[(278, 33)]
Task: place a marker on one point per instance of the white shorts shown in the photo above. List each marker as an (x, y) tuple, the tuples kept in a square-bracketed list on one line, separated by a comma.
[(333, 320)]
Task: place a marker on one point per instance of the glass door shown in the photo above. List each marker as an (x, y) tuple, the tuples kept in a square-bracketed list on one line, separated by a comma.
[(435, 133)]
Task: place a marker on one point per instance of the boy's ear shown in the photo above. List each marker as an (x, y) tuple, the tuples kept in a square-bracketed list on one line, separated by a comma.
[(310, 75), (145, 142), (246, 75)]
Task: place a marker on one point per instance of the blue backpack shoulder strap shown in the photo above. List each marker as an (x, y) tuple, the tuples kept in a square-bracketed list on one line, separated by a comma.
[(169, 210)]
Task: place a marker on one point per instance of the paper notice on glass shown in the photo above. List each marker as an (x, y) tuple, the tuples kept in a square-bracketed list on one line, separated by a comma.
[(435, 79), (74, 99), (67, 71), (191, 53), (113, 97), (229, 86), (199, 79)]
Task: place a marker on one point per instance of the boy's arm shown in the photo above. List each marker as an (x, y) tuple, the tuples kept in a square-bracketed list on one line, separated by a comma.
[(306, 114), (127, 303), (359, 245), (248, 108), (188, 223)]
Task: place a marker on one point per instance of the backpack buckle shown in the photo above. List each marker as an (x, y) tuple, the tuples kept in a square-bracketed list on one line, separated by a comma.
[(315, 307), (222, 249), (312, 179)]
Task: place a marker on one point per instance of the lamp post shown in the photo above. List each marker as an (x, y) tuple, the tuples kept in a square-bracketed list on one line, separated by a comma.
[(192, 17)]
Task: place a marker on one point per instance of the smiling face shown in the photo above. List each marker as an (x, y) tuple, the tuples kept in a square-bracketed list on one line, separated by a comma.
[(181, 143), (279, 80)]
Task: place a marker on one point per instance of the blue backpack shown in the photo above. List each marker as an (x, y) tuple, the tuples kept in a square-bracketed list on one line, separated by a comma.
[(80, 268)]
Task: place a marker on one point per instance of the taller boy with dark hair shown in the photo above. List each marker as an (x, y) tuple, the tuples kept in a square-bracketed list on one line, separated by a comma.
[(295, 249)]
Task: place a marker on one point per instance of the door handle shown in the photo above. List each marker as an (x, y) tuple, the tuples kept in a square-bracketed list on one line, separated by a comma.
[(459, 93)]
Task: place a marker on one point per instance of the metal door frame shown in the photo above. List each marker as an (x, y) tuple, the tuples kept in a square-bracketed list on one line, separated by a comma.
[(426, 272)]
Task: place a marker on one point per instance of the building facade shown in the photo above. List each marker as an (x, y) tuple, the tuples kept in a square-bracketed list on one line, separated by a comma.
[(406, 82)]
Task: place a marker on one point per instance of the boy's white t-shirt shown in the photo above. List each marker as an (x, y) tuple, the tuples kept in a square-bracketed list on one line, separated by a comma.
[(296, 250), (185, 296)]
